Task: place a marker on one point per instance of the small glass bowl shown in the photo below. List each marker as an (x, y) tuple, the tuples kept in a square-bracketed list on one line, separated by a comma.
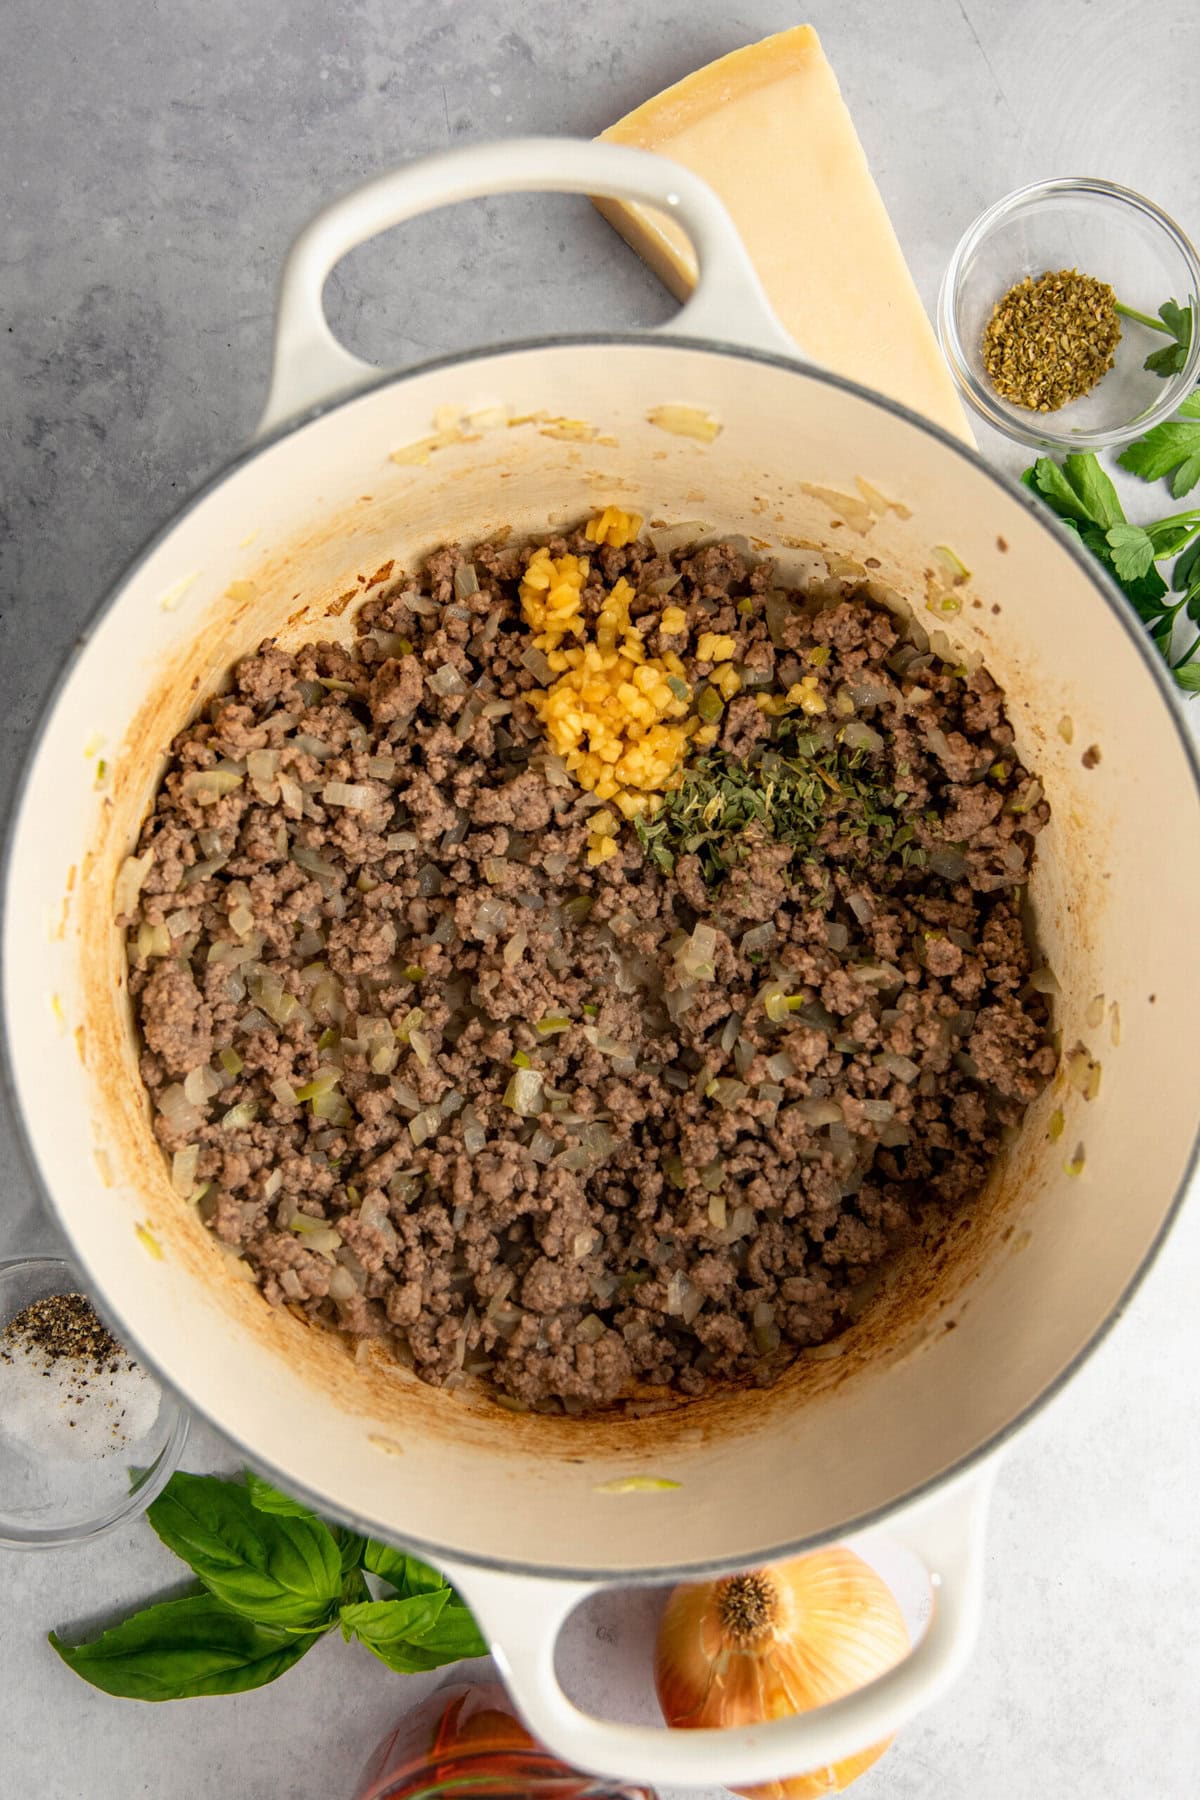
[(50, 1494), (1102, 230)]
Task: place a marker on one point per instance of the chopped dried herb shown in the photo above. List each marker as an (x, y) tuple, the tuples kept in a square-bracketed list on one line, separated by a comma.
[(793, 791), (1050, 340)]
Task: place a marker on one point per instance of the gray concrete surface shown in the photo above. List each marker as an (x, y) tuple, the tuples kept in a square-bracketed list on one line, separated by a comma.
[(156, 159)]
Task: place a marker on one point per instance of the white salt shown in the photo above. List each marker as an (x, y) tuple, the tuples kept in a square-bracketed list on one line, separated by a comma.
[(73, 1409)]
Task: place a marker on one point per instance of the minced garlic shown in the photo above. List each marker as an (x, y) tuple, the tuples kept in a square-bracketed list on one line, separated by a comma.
[(551, 596), (618, 717), (614, 527)]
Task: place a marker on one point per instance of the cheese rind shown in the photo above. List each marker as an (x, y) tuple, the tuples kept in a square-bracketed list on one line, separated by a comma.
[(768, 129)]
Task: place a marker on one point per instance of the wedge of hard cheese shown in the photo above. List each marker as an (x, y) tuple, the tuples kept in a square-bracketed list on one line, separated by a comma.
[(767, 128)]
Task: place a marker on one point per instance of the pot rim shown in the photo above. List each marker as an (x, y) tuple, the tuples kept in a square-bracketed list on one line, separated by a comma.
[(1107, 592)]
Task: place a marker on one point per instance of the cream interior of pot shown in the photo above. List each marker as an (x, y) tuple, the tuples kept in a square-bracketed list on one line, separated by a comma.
[(965, 1335)]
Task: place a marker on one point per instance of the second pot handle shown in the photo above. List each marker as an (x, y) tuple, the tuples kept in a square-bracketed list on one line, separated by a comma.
[(521, 1617), (728, 303)]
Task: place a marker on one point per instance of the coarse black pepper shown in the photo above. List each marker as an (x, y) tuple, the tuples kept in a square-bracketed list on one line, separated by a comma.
[(1050, 339), (63, 1328)]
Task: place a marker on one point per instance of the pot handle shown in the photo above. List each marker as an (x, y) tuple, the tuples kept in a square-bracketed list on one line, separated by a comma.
[(521, 1617), (728, 303)]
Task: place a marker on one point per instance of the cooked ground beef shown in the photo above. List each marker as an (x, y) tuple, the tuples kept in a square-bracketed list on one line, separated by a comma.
[(454, 1089)]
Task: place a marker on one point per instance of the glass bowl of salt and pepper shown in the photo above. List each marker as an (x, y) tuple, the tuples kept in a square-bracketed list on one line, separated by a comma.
[(88, 1438), (1050, 308)]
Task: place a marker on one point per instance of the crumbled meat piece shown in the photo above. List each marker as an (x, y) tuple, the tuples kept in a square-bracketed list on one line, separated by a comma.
[(424, 957)]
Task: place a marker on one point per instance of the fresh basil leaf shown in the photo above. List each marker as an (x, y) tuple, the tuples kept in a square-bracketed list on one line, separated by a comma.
[(1095, 491), (182, 1649), (1173, 445), (1132, 550), (354, 1588), (455, 1636), (274, 1568), (268, 1499), (407, 1574), (410, 1636), (351, 1547)]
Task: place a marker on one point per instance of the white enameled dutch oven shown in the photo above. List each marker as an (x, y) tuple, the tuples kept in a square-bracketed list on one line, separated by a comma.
[(964, 1342)]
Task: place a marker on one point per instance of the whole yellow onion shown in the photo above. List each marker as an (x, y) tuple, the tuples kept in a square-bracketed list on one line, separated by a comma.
[(778, 1641)]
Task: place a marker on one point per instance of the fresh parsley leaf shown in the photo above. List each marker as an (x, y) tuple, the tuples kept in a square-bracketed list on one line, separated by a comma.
[(1177, 320), (277, 1569), (1047, 479), (1132, 550), (416, 1634), (1174, 445), (182, 1649), (1167, 361), (1094, 488), (1078, 490), (1187, 567), (1188, 677)]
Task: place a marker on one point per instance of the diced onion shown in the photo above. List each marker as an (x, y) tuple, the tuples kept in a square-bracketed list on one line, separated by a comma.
[(948, 862), (667, 539), (523, 1095), (239, 1117), (902, 1067), (740, 1225), (466, 581), (759, 937), (206, 786), (130, 879), (313, 746), (491, 916), (447, 681), (349, 794), (607, 1046), (183, 1170), (314, 863), (817, 1112), (474, 1137), (861, 737), (695, 956), (202, 870), (201, 1083), (424, 1126), (322, 1083)]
